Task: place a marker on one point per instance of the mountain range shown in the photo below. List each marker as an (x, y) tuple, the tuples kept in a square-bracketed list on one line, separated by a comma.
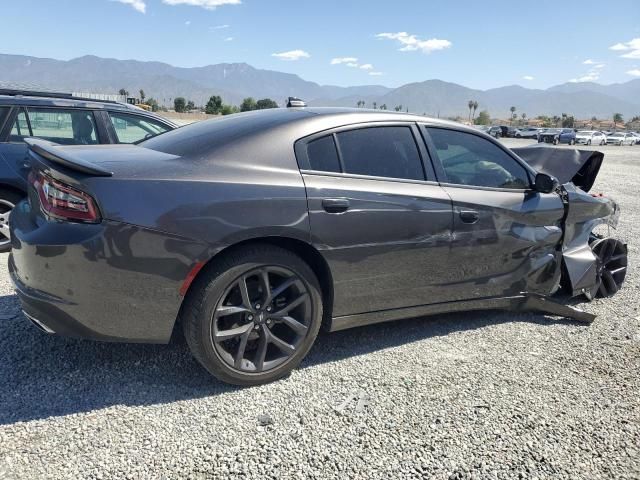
[(235, 81)]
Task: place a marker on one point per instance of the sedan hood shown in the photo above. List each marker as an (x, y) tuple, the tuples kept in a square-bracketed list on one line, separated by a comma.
[(580, 167)]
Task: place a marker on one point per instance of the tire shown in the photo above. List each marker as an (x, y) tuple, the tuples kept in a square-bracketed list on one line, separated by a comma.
[(8, 200), (612, 259), (257, 334), (556, 141), (588, 142)]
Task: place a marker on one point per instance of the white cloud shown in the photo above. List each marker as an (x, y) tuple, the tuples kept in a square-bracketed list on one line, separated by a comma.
[(412, 43), (219, 27), (138, 5), (229, 39), (208, 4), (528, 77), (366, 66), (589, 62), (634, 73), (352, 64), (341, 60), (600, 65), (376, 74), (292, 55), (632, 48), (589, 77), (187, 23)]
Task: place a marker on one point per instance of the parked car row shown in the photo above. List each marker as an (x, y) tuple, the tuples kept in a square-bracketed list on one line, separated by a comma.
[(569, 136)]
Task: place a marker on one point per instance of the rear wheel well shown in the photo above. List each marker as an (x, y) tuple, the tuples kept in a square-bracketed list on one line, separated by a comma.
[(307, 252), (4, 188)]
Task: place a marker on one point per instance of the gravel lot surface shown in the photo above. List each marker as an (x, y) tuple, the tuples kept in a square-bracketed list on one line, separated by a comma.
[(481, 395)]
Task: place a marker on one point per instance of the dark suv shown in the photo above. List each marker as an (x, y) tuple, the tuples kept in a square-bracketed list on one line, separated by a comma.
[(66, 120)]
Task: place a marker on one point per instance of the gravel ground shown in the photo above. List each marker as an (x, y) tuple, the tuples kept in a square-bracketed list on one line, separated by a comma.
[(482, 395)]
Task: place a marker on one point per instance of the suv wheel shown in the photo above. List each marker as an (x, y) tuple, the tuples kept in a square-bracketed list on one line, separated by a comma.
[(254, 315), (612, 260), (8, 200)]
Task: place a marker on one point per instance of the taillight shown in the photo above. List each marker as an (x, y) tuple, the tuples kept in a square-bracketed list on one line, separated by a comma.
[(61, 201)]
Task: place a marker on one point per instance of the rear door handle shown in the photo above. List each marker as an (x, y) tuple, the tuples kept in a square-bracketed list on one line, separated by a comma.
[(335, 205), (469, 216)]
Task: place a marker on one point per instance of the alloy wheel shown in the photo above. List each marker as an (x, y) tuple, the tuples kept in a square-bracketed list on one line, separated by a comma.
[(5, 210), (611, 265), (261, 319)]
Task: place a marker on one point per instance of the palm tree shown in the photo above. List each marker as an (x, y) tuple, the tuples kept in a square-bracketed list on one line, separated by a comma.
[(475, 107), (398, 108), (617, 118), (556, 119), (383, 106), (513, 113), (375, 105), (524, 118), (470, 105), (142, 95)]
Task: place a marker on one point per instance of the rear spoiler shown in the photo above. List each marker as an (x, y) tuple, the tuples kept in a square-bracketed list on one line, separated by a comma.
[(63, 156)]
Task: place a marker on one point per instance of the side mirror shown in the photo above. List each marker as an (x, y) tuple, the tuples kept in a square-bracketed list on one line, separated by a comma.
[(546, 183)]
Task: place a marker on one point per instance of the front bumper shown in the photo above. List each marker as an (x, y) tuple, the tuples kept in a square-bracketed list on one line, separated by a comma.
[(108, 281)]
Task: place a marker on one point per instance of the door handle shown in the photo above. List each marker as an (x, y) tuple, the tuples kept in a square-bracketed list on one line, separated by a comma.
[(469, 216), (335, 205)]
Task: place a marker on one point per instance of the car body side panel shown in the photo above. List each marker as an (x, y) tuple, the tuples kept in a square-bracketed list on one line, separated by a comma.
[(514, 246), (109, 281), (390, 249)]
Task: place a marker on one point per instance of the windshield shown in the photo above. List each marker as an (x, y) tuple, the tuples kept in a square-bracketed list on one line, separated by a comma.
[(586, 132)]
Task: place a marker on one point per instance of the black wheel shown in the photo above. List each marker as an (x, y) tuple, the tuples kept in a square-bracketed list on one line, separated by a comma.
[(611, 266), (588, 142), (254, 315), (555, 141), (8, 200)]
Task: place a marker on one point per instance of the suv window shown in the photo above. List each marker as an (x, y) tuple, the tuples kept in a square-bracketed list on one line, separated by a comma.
[(382, 152), (468, 159), (66, 127), (135, 128), (20, 128), (322, 155)]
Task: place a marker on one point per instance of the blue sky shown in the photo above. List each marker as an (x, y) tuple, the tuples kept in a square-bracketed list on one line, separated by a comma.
[(478, 44)]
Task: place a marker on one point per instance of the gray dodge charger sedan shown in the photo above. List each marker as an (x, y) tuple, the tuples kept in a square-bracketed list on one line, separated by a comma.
[(253, 231)]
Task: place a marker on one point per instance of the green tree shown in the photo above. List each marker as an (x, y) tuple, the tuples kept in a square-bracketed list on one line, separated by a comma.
[(383, 106), (213, 106), (123, 92), (398, 108), (248, 104), (153, 103), (475, 107), (555, 120), (617, 118), (470, 105), (513, 114), (567, 121), (483, 118), (142, 95), (375, 105), (179, 104), (190, 106), (229, 109), (524, 118), (266, 103)]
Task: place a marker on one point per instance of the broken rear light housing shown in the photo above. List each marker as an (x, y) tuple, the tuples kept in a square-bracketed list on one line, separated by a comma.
[(63, 202)]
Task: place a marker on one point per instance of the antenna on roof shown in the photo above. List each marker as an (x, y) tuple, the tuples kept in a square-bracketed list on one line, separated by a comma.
[(293, 102)]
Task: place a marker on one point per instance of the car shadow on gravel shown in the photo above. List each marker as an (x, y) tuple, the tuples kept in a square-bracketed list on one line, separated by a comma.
[(44, 376)]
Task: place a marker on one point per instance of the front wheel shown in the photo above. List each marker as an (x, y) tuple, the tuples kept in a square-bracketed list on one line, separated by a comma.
[(254, 315), (556, 141), (611, 265), (8, 200)]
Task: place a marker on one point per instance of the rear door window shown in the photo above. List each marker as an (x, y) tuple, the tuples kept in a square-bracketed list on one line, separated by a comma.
[(66, 127), (389, 151), (135, 128)]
